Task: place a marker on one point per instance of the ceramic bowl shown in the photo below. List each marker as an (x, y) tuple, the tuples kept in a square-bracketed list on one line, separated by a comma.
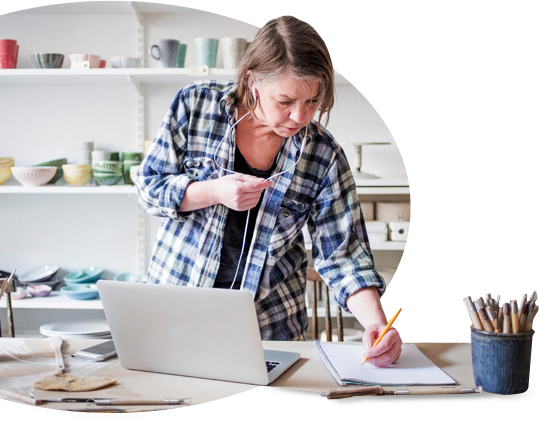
[(107, 167), (133, 172), (77, 175), (7, 162), (19, 294), (125, 62), (90, 274), (39, 290), (47, 60), (126, 277), (33, 176), (80, 292), (94, 60), (39, 274), (5, 173), (107, 179), (54, 163)]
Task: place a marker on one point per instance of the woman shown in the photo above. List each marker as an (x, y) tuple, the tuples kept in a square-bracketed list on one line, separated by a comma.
[(237, 169)]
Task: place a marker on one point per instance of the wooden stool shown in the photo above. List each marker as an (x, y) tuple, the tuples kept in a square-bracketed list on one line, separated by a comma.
[(8, 291), (318, 285)]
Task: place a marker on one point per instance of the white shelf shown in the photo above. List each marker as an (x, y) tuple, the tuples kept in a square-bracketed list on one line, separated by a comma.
[(105, 7), (56, 300), (389, 245), (382, 186), (115, 76), (91, 189)]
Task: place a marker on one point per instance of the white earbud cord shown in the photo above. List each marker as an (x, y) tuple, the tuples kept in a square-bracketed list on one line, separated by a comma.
[(267, 179)]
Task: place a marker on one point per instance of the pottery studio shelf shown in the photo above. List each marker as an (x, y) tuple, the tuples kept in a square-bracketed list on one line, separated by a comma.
[(116, 76), (56, 300), (90, 189)]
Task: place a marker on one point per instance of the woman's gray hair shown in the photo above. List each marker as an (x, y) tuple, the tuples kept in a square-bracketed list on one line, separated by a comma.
[(287, 46)]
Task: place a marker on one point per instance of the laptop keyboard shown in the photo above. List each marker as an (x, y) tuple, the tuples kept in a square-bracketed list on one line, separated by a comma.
[(270, 365)]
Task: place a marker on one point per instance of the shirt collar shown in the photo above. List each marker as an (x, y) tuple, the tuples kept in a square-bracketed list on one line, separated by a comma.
[(229, 101)]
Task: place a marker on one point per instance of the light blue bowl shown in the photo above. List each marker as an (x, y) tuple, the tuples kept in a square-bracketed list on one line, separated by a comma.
[(90, 274), (80, 292), (126, 277)]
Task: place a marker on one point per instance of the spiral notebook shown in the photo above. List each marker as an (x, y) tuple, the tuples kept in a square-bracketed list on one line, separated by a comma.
[(412, 368)]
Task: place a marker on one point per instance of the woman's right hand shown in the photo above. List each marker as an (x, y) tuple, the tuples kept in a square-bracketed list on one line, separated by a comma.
[(239, 192)]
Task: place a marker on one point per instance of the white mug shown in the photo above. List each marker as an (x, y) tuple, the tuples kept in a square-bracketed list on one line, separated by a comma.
[(233, 50), (100, 156)]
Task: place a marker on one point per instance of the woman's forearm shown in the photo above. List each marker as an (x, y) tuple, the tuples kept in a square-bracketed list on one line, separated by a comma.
[(366, 307), (198, 195)]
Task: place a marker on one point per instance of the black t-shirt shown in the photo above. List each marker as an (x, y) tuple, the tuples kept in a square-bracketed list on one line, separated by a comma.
[(235, 229)]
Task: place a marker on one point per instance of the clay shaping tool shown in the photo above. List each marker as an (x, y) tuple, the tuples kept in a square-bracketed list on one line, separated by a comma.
[(56, 344)]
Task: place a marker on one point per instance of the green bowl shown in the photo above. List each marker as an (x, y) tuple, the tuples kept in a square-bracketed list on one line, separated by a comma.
[(54, 163), (107, 179), (107, 167)]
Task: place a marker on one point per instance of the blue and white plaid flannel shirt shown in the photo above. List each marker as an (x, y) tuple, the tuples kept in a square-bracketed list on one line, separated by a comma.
[(320, 193)]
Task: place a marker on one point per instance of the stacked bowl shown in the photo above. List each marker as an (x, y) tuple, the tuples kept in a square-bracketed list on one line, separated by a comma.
[(107, 173), (87, 329), (54, 163), (43, 275), (5, 169), (81, 284), (77, 174)]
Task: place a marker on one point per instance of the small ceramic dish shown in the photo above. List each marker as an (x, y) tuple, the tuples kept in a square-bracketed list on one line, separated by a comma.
[(39, 290), (19, 294), (89, 274), (126, 277), (80, 292)]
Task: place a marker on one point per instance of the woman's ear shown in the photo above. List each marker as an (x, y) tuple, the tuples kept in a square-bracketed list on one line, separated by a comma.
[(252, 88)]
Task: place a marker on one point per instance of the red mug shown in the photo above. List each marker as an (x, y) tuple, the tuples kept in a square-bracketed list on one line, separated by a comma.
[(8, 46), (7, 61)]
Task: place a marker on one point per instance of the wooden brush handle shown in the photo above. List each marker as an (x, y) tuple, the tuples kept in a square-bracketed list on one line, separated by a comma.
[(19, 397), (353, 391)]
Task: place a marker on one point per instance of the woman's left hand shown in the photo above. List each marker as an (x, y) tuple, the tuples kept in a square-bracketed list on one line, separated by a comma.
[(388, 349)]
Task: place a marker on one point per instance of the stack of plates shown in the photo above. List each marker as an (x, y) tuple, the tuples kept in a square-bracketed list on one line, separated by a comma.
[(89, 329), (41, 275), (86, 275)]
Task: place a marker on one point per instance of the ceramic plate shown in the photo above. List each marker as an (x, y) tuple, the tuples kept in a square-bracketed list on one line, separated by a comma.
[(90, 327), (89, 274), (39, 274)]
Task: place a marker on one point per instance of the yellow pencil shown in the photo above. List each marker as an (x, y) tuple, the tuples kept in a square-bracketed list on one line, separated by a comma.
[(383, 332)]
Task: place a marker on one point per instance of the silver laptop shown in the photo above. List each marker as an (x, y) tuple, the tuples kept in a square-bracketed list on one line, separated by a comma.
[(196, 332)]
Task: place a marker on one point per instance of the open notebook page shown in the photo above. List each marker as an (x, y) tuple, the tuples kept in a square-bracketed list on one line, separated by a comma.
[(412, 368)]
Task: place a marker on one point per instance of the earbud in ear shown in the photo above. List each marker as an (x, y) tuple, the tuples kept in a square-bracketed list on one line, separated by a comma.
[(254, 93)]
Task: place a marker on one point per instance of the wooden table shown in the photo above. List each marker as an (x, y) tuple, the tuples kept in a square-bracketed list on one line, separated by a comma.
[(23, 361)]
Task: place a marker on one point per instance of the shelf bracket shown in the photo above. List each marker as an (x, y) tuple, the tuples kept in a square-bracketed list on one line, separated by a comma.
[(137, 12), (140, 31), (136, 84)]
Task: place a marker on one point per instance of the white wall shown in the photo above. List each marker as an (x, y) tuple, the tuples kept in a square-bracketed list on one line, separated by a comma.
[(41, 122)]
